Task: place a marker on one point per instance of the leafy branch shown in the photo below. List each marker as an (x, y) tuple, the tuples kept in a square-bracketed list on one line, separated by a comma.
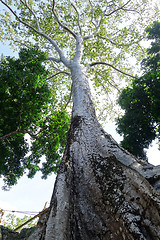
[(116, 10), (60, 23), (80, 29), (39, 32), (33, 13), (17, 132), (110, 65)]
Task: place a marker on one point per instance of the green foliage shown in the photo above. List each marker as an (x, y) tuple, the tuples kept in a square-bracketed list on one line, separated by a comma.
[(27, 106), (116, 28), (12, 221), (141, 122), (51, 142)]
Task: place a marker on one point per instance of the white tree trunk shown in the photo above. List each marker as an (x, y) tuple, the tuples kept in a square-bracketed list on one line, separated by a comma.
[(101, 191)]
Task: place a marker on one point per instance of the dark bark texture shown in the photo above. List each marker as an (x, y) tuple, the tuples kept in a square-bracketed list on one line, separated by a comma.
[(102, 192), (102, 197)]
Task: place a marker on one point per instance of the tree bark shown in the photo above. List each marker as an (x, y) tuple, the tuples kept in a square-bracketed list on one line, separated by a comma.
[(101, 192)]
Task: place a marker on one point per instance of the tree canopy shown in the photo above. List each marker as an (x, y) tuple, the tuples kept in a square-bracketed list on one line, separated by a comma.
[(140, 123), (28, 106), (111, 30), (101, 35), (12, 221)]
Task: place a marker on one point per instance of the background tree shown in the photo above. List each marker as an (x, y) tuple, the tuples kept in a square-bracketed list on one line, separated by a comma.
[(101, 191), (12, 221), (28, 106), (140, 123)]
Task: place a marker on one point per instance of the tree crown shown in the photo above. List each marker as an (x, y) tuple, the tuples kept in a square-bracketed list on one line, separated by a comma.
[(141, 122), (110, 32), (27, 105)]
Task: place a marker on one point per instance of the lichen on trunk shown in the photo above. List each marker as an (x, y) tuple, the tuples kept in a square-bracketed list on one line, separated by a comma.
[(101, 192)]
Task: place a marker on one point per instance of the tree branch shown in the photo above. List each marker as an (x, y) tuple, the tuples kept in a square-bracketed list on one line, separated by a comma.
[(18, 18), (37, 23), (115, 86), (58, 50), (16, 41), (69, 97), (92, 13), (80, 30), (95, 24), (120, 45), (88, 37), (15, 133), (107, 39), (60, 23), (57, 60), (54, 75), (131, 10), (116, 10), (56, 68), (112, 84), (110, 65)]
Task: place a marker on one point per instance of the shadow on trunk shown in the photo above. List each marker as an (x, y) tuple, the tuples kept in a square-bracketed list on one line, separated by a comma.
[(101, 191)]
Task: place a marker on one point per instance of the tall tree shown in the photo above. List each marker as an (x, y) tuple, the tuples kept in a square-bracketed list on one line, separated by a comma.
[(101, 191), (141, 122)]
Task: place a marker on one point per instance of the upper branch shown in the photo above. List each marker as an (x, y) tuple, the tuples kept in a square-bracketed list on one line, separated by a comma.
[(120, 8), (88, 37), (35, 17), (118, 44), (96, 23), (110, 65), (60, 23), (80, 30), (131, 10), (39, 32), (18, 18), (92, 14)]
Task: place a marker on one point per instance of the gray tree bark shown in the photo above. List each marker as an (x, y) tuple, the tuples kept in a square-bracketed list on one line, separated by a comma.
[(101, 192)]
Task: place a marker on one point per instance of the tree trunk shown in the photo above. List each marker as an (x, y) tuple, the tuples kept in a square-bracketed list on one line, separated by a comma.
[(101, 191)]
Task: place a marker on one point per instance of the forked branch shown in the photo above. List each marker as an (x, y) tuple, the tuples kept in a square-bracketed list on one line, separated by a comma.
[(96, 23), (110, 83), (19, 19), (116, 10), (110, 65), (80, 30), (120, 45), (39, 32), (33, 13), (60, 23)]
